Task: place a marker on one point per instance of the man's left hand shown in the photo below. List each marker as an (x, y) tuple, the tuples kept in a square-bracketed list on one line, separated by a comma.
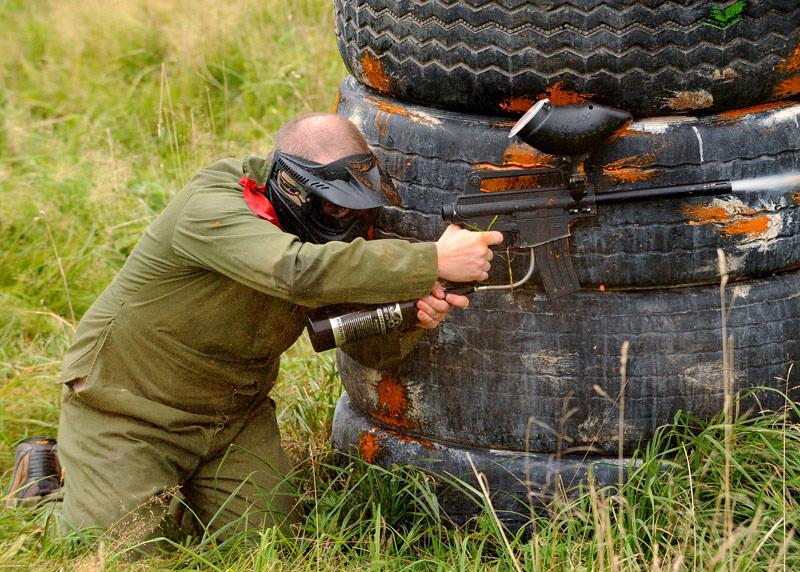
[(432, 309)]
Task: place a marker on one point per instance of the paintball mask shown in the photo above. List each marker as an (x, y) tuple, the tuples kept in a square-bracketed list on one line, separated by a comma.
[(320, 203)]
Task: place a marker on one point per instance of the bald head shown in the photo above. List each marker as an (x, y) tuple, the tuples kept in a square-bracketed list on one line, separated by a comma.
[(320, 137)]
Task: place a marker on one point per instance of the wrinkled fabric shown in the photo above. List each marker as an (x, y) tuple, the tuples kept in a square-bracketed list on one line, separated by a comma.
[(212, 295), (187, 338)]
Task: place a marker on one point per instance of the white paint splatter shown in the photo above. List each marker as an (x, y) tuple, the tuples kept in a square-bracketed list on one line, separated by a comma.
[(781, 116), (424, 118), (659, 125), (741, 290), (699, 141), (704, 378), (734, 263), (358, 119)]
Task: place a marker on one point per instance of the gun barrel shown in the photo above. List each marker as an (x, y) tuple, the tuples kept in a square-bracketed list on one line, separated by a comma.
[(530, 200), (712, 188)]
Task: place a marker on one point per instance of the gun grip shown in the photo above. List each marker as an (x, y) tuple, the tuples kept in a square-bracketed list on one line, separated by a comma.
[(554, 264)]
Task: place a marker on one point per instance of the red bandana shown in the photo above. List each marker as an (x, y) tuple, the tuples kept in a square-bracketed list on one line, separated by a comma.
[(257, 201)]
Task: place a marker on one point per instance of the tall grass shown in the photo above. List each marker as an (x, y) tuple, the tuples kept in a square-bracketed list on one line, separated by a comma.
[(107, 108)]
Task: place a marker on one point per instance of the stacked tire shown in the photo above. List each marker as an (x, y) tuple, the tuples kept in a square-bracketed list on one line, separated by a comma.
[(529, 389)]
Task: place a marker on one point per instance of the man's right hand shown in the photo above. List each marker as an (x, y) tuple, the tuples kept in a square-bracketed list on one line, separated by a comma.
[(464, 255)]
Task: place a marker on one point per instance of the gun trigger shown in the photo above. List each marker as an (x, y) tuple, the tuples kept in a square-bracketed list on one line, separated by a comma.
[(509, 239), (554, 262)]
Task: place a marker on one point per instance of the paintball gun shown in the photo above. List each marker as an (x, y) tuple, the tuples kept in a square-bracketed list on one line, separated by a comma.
[(532, 219)]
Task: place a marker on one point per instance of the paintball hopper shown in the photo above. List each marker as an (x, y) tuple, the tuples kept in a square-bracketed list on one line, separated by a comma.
[(568, 129)]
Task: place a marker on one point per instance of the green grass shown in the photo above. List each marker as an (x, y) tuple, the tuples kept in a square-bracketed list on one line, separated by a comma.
[(107, 108)]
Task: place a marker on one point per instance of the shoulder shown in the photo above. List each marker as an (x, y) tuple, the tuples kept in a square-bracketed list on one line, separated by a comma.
[(216, 188), (226, 172), (216, 194)]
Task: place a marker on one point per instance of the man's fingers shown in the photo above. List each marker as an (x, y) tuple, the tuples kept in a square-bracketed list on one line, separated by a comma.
[(425, 307), (493, 237), (457, 300), (438, 291), (461, 253), (425, 321), (433, 306)]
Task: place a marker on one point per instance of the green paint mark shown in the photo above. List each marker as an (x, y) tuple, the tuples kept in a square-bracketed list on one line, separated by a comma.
[(723, 18)]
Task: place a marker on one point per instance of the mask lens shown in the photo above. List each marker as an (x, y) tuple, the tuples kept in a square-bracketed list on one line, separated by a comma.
[(335, 211), (339, 219)]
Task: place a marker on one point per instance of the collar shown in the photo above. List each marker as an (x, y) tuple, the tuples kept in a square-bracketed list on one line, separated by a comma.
[(256, 168), (253, 181)]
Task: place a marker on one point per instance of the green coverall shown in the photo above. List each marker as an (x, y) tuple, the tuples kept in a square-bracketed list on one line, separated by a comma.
[(167, 380)]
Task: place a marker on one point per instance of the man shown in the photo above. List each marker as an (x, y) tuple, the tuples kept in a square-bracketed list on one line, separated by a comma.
[(166, 383)]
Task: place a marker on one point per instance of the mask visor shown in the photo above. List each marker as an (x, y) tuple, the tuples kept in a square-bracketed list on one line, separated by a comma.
[(354, 182)]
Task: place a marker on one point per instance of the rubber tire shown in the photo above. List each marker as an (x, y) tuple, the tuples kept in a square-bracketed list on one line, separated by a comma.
[(502, 373), (496, 57), (429, 153), (518, 482)]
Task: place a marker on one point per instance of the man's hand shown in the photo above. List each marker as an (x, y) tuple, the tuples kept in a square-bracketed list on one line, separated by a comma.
[(464, 255), (434, 308)]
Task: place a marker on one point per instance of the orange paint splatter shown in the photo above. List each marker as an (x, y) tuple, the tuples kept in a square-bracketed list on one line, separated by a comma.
[(369, 445), (741, 221), (707, 215), (631, 169), (558, 95), (526, 157), (517, 156), (631, 174), (517, 104), (386, 109), (756, 225), (337, 101), (390, 108), (741, 113), (621, 132), (392, 402), (510, 184), (787, 87), (627, 132), (372, 70), (791, 63)]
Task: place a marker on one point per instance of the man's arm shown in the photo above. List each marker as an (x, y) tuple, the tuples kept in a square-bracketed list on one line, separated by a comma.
[(217, 231)]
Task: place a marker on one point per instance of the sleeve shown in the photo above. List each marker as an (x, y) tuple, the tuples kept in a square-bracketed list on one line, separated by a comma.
[(218, 232)]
